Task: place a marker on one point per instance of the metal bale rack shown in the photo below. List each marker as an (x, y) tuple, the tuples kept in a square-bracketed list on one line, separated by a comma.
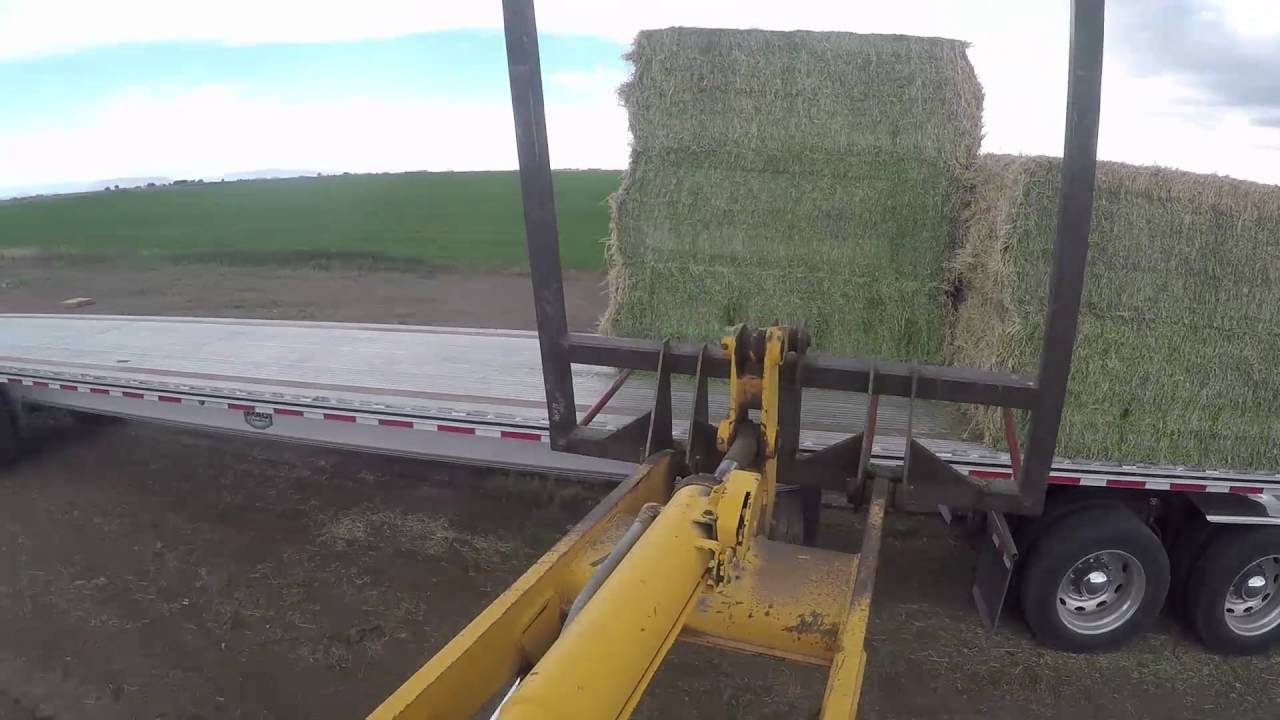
[(704, 540), (1042, 396)]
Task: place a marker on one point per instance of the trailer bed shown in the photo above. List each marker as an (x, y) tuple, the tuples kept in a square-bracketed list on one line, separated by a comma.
[(475, 396)]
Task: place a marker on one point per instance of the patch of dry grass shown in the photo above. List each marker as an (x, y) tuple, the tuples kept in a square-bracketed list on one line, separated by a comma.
[(278, 604), (429, 535), (913, 638)]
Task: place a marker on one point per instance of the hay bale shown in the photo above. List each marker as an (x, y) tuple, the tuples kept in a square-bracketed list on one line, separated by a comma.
[(1180, 326), (792, 176)]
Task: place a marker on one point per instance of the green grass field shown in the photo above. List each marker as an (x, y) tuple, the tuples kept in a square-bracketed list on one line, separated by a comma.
[(468, 219)]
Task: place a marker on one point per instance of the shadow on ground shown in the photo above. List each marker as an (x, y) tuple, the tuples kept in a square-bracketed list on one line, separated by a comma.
[(150, 573)]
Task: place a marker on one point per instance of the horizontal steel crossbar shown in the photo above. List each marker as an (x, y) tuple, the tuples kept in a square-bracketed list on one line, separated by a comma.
[(933, 382)]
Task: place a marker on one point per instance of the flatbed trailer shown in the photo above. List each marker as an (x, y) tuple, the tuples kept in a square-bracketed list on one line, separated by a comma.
[(473, 396), (476, 397)]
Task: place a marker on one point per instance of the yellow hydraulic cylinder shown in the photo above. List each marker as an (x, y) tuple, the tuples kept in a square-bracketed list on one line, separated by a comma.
[(601, 663)]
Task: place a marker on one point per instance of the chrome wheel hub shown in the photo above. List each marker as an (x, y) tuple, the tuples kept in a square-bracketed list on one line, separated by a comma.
[(1252, 606), (1094, 584), (1101, 592)]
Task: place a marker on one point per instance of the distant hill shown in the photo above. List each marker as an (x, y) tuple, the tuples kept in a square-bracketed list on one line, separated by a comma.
[(128, 182), (269, 173), (78, 186)]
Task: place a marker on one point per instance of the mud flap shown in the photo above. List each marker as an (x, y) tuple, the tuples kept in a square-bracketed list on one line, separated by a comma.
[(997, 556)]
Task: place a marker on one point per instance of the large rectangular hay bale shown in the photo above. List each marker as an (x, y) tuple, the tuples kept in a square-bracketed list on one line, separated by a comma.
[(792, 176), (1178, 355)]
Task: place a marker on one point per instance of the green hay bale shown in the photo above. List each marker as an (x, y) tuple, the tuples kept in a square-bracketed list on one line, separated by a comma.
[(1179, 334), (792, 176)]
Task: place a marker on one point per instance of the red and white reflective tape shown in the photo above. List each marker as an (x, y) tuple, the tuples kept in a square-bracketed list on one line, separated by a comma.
[(359, 418), (531, 435), (1130, 483)]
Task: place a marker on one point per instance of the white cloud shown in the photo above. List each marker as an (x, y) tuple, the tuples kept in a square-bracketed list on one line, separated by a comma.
[(595, 81), (217, 129), (42, 27), (1251, 18), (1018, 47)]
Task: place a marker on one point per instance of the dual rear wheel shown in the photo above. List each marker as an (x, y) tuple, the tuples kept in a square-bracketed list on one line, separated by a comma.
[(1098, 576)]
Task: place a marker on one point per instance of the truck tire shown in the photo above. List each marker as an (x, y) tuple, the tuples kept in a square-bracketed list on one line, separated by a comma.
[(1234, 591), (796, 514), (1096, 578), (1184, 555), (8, 432)]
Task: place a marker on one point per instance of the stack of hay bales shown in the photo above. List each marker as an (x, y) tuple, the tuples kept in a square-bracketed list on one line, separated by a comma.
[(832, 178), (1178, 354), (789, 176)]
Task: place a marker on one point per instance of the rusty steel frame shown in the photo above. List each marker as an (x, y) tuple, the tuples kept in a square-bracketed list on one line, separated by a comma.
[(1043, 396)]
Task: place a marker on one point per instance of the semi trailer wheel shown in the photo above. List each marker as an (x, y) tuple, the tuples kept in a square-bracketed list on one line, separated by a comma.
[(796, 514), (1234, 591), (1184, 555), (8, 431), (1094, 580)]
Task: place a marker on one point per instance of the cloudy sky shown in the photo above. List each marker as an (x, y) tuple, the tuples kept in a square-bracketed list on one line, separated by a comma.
[(93, 90)]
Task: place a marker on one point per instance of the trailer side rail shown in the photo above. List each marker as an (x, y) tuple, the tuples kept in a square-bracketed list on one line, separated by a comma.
[(381, 429)]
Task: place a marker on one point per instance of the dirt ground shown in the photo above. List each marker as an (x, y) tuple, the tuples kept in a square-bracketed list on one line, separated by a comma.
[(147, 572), (427, 296)]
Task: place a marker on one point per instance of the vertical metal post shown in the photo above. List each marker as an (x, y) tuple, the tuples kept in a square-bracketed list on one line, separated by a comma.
[(1070, 246), (541, 235)]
